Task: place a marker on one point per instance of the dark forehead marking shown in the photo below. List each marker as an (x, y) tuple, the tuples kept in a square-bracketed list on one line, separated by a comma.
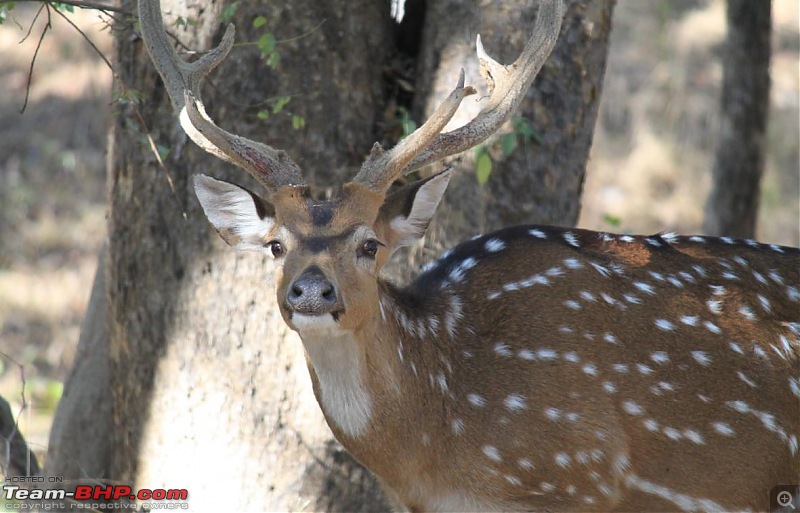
[(321, 214), (320, 244)]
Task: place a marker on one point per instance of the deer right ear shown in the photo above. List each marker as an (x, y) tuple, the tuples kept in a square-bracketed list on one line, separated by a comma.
[(242, 218)]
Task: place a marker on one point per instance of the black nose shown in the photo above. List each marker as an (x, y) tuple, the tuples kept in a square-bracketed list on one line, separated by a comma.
[(311, 293)]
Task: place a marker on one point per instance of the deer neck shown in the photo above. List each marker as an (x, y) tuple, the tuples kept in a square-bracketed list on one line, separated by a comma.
[(351, 371)]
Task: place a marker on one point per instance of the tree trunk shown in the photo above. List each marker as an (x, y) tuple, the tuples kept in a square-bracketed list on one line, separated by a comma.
[(739, 158), (78, 447), (209, 389)]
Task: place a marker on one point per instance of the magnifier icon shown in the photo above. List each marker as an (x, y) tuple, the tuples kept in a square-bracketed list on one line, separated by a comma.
[(785, 499)]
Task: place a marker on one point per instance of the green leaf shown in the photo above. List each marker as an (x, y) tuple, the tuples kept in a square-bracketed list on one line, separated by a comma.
[(63, 7), (508, 143), (4, 10), (163, 151), (523, 128), (263, 114), (298, 122), (409, 125), (612, 221), (483, 166), (228, 12), (260, 21), (280, 103), (273, 60), (130, 96), (266, 43)]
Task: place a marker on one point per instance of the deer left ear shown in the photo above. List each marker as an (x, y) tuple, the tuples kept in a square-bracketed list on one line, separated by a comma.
[(408, 211)]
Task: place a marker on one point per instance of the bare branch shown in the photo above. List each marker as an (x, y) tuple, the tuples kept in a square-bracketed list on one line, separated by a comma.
[(47, 27), (183, 80), (91, 43), (87, 4)]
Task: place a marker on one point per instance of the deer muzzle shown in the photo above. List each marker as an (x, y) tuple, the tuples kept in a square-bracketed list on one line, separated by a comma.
[(312, 294)]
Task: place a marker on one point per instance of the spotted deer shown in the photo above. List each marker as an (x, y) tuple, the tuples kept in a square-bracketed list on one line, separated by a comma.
[(533, 368)]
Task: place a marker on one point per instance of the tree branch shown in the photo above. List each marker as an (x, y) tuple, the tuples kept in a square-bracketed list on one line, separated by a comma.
[(86, 4)]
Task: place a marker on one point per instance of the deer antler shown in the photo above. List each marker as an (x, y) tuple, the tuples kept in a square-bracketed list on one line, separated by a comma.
[(382, 168), (507, 86), (271, 167)]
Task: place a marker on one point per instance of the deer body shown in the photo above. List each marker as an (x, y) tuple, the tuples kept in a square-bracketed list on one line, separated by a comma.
[(534, 368), (583, 378)]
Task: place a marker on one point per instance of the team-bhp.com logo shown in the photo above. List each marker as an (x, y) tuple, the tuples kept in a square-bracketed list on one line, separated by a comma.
[(17, 497)]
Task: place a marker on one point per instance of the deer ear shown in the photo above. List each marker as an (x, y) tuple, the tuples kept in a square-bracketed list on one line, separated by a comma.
[(408, 211), (242, 218)]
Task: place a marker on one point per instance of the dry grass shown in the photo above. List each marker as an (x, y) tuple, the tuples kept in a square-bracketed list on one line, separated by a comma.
[(650, 164)]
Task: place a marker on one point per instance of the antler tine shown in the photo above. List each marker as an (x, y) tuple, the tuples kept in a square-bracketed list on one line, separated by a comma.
[(183, 80), (507, 86), (382, 168)]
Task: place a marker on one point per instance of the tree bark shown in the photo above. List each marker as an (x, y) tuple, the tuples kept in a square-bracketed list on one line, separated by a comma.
[(732, 205), (209, 389), (78, 447)]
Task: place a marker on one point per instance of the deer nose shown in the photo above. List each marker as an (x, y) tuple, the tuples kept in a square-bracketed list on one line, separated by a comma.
[(312, 293)]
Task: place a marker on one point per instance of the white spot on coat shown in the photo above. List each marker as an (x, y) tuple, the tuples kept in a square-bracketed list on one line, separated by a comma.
[(546, 354), (525, 463), (502, 349), (476, 400), (494, 245), (714, 306), (571, 239), (492, 453), (690, 320), (552, 413), (742, 376), (664, 325), (702, 358), (515, 402), (632, 408), (562, 459), (660, 357), (723, 428)]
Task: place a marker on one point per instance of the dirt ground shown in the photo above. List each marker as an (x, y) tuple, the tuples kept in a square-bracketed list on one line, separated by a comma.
[(649, 170)]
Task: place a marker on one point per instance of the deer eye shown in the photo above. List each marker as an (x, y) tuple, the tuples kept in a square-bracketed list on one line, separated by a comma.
[(276, 247), (369, 248)]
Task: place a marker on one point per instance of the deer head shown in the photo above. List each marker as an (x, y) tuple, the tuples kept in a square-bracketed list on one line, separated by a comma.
[(330, 252)]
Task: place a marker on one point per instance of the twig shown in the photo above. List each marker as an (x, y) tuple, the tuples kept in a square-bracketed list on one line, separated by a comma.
[(86, 4), (91, 43), (20, 460), (30, 27), (47, 27)]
